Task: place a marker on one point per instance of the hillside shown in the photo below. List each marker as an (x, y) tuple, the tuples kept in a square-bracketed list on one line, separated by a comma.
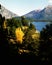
[(8, 14), (44, 14)]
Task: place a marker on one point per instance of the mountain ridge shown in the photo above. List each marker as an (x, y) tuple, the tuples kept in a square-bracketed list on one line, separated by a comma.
[(44, 14), (6, 13)]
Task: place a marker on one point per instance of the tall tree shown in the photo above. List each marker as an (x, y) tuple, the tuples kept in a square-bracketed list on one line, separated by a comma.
[(46, 44), (24, 21), (3, 38)]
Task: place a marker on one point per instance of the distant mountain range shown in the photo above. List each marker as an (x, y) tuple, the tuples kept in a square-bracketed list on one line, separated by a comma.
[(8, 14), (44, 14)]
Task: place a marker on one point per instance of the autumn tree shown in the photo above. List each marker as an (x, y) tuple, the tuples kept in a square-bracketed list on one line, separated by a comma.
[(19, 35), (31, 43)]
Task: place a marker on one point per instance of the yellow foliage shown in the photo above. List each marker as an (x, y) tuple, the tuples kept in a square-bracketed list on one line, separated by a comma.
[(22, 51), (12, 41), (36, 35), (24, 27), (19, 35), (4, 25)]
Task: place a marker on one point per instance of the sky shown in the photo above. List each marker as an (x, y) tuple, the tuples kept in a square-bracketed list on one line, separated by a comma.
[(21, 7)]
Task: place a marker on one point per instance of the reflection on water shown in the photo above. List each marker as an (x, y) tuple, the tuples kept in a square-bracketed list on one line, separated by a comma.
[(40, 25)]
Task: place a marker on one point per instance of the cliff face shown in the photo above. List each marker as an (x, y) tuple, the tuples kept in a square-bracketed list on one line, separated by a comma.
[(8, 14)]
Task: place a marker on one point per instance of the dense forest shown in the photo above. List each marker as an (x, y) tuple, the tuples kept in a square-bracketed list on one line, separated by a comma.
[(19, 40)]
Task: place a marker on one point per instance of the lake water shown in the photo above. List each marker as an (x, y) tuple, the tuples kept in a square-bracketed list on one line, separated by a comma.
[(40, 25)]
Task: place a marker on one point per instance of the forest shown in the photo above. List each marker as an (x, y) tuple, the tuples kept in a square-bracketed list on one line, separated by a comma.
[(20, 41)]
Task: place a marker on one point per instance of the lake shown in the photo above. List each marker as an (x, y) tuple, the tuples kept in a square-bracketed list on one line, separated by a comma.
[(40, 25)]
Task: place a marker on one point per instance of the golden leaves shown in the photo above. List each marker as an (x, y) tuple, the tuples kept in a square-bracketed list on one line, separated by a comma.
[(4, 25), (19, 35), (24, 27)]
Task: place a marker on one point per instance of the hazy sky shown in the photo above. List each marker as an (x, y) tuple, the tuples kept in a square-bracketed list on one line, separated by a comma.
[(22, 7)]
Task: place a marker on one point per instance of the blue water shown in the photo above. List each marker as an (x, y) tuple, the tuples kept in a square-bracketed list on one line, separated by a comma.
[(40, 25)]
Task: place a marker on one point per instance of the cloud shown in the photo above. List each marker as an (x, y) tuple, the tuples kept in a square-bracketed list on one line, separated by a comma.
[(50, 1)]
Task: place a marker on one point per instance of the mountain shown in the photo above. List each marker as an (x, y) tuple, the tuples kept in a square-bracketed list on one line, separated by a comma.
[(32, 14), (44, 14), (8, 14)]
